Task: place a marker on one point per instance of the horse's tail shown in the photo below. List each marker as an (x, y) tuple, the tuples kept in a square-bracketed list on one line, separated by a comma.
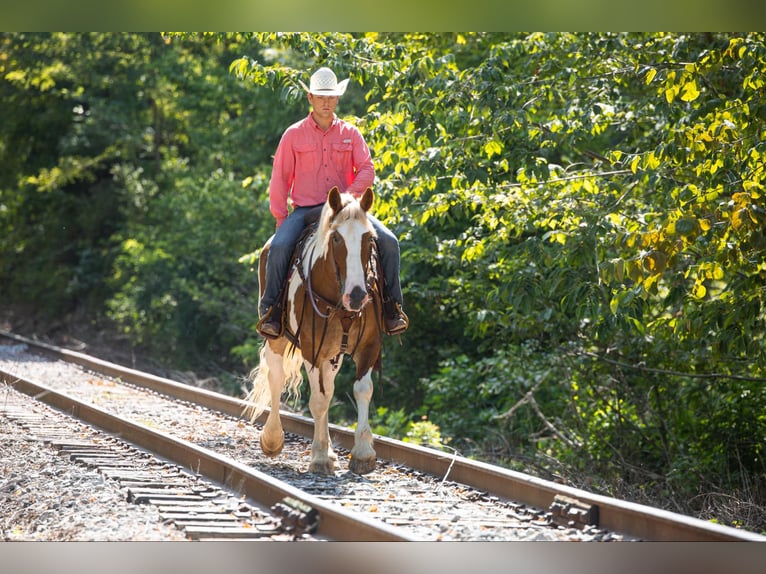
[(259, 396)]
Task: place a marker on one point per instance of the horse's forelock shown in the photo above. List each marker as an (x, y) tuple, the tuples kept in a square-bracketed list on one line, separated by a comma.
[(329, 220)]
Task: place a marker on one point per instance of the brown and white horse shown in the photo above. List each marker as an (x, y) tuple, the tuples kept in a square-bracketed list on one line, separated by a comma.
[(332, 308)]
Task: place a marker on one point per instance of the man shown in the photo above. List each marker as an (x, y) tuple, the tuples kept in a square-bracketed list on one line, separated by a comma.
[(314, 155)]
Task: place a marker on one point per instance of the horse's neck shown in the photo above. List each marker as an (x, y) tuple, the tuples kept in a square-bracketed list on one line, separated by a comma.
[(320, 271), (324, 277)]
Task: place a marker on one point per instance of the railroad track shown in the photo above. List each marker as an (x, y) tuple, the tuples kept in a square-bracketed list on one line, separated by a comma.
[(198, 507), (417, 493)]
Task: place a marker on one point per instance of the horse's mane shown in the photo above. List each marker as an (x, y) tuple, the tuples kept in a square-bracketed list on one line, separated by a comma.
[(316, 245)]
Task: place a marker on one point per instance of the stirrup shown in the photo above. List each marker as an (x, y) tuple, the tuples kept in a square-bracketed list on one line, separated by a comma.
[(268, 327), (393, 312)]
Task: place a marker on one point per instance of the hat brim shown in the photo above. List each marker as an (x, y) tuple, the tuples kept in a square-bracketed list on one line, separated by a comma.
[(339, 90)]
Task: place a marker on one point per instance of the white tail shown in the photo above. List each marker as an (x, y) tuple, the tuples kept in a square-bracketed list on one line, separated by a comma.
[(259, 397)]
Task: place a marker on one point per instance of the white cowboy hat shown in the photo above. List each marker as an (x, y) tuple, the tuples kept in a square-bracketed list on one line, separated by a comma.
[(324, 83)]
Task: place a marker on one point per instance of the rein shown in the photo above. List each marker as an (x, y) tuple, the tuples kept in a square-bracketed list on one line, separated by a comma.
[(312, 295)]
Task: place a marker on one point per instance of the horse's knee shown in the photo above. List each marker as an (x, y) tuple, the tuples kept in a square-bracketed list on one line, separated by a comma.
[(363, 389)]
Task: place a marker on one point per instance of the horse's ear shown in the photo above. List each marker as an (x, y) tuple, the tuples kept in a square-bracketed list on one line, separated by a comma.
[(367, 197), (333, 198)]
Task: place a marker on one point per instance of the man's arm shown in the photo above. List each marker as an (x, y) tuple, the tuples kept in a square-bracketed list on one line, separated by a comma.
[(363, 166), (282, 176)]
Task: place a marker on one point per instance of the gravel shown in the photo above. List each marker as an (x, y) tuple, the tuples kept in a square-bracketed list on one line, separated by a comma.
[(45, 497)]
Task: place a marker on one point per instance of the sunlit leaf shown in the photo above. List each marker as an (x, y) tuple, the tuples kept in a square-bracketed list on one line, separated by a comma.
[(699, 291), (690, 91)]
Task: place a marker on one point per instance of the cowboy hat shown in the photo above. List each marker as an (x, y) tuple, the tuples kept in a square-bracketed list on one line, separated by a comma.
[(324, 83)]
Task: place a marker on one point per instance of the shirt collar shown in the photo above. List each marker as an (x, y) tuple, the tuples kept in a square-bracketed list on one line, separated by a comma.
[(335, 121)]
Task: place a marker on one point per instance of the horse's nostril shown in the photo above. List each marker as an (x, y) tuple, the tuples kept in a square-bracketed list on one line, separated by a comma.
[(357, 297)]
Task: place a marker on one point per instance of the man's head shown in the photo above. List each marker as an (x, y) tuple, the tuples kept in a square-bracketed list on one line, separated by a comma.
[(323, 93)]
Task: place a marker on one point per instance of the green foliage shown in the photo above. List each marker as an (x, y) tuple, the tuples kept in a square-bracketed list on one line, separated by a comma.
[(390, 422), (398, 424), (425, 433), (177, 281), (119, 201)]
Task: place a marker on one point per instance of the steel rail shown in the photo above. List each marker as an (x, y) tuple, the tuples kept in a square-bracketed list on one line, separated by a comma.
[(335, 523), (629, 518)]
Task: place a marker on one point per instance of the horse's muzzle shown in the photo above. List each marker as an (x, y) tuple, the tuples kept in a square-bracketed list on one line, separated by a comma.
[(355, 300)]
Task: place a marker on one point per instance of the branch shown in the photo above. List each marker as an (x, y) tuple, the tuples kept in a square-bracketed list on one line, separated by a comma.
[(529, 399), (656, 371)]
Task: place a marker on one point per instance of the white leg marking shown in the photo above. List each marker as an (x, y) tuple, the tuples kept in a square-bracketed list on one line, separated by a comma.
[(363, 454), (322, 455), (272, 436)]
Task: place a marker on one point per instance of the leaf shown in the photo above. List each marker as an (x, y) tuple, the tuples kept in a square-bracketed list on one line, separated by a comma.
[(650, 75), (670, 94), (493, 147), (699, 291), (650, 284), (690, 91), (686, 225), (655, 262), (652, 161), (739, 218), (614, 304), (619, 270)]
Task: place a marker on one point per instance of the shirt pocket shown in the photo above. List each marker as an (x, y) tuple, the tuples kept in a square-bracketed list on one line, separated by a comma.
[(306, 158), (342, 157)]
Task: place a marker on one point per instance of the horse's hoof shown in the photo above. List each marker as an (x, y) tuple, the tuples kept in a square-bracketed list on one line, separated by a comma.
[(361, 466), (322, 467), (272, 451)]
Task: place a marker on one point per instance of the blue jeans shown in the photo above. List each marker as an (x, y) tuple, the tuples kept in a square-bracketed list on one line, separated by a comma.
[(283, 243)]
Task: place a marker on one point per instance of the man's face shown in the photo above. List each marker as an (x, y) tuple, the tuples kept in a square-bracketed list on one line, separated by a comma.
[(324, 106)]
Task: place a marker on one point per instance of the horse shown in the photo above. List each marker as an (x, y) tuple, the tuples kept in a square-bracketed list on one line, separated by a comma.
[(332, 308)]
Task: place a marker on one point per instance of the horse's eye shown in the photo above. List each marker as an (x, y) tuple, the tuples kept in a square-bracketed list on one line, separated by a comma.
[(336, 238)]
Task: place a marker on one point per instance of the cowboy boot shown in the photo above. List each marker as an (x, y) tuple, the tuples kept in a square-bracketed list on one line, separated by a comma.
[(270, 325), (395, 321)]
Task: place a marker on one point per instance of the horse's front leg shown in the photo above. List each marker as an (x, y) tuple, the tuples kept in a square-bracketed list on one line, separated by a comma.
[(363, 455), (322, 380), (272, 436)]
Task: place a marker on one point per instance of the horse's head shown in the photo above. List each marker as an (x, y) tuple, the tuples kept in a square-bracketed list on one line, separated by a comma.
[(345, 235)]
